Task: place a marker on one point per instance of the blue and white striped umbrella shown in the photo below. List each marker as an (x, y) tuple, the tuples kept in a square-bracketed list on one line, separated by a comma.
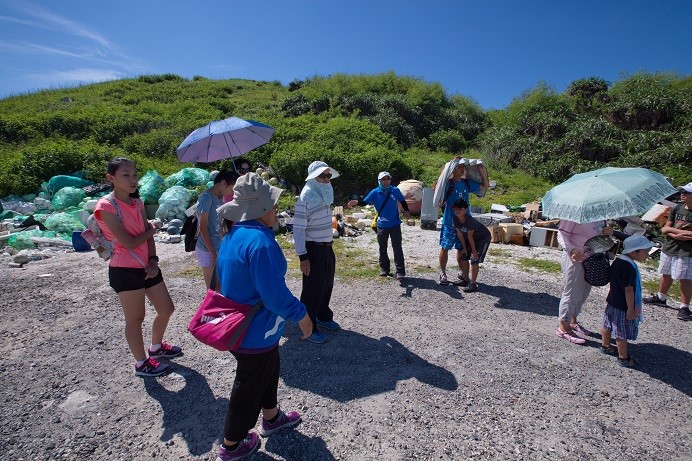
[(231, 137), (606, 193)]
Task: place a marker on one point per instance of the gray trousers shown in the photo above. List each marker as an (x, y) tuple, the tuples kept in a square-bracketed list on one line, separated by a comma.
[(576, 289)]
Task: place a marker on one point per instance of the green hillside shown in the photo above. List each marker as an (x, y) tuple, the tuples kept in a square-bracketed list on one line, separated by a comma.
[(360, 124)]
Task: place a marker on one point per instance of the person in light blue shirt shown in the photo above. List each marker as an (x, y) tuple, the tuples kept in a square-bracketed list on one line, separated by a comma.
[(209, 224), (252, 269), (386, 199)]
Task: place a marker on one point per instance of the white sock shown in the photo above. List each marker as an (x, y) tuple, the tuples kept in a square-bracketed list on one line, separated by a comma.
[(155, 347), (139, 363), (684, 306), (662, 296)]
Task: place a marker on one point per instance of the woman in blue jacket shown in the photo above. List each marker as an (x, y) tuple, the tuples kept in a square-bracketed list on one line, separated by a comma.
[(252, 269)]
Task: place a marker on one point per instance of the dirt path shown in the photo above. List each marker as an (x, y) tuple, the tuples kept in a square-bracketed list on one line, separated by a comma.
[(420, 371)]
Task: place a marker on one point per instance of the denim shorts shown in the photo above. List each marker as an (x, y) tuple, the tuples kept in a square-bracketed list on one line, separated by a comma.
[(449, 238), (130, 278), (203, 257)]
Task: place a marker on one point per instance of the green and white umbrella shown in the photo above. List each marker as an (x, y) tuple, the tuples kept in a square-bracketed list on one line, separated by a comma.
[(606, 193)]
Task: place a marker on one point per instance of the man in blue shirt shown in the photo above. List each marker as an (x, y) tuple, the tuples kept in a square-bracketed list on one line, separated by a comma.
[(386, 198), (458, 187)]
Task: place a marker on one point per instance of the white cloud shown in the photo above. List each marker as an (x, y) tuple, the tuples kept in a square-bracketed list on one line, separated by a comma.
[(75, 77), (88, 52)]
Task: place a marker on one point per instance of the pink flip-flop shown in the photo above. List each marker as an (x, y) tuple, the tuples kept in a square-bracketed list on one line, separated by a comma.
[(569, 337)]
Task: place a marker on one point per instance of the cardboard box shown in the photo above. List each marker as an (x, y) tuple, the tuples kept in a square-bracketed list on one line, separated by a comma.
[(497, 234), (658, 214), (518, 239), (529, 210), (543, 237), (510, 230)]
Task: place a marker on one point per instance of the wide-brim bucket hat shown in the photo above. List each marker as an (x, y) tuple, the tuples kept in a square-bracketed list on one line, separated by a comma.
[(636, 242), (252, 198), (318, 167)]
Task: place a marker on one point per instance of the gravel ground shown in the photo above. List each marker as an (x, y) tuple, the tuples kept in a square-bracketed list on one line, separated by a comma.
[(419, 371)]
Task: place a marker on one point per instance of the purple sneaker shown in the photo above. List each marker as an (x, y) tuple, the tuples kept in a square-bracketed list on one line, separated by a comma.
[(284, 420), (246, 447)]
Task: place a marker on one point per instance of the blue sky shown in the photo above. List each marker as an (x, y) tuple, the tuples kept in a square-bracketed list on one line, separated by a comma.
[(491, 51)]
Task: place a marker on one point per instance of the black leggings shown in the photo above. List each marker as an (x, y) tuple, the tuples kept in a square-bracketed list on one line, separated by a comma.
[(255, 387)]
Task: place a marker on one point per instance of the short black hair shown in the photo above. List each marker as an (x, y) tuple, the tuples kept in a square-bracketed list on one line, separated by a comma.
[(461, 203), (238, 163), (226, 175), (114, 164)]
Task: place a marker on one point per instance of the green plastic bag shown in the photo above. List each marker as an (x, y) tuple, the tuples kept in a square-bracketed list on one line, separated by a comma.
[(64, 223), (173, 203), (189, 178), (67, 197), (22, 240), (151, 186), (58, 182)]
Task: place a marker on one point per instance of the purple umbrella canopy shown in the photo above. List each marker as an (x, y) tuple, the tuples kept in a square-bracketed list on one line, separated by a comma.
[(231, 137)]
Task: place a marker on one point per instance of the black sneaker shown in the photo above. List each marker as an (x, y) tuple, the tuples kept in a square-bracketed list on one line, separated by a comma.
[(654, 299), (166, 351), (151, 367), (684, 313), (461, 281), (470, 288)]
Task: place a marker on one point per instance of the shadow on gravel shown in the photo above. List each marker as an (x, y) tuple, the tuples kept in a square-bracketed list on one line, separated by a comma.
[(666, 364), (351, 366), (291, 444), (523, 301), (412, 283), (189, 408)]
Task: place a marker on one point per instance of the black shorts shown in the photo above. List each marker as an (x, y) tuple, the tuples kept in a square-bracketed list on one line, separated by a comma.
[(129, 278), (481, 248)]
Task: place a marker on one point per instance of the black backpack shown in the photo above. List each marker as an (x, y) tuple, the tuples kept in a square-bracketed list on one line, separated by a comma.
[(191, 231)]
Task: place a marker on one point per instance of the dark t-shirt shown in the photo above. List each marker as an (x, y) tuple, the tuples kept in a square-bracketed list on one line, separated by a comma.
[(622, 275), (480, 232), (681, 219)]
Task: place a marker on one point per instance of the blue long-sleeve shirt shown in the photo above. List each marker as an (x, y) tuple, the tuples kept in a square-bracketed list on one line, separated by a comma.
[(252, 268), (389, 216)]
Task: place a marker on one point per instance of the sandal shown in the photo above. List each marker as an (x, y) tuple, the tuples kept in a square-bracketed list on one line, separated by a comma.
[(610, 350), (577, 328), (629, 362), (569, 337)]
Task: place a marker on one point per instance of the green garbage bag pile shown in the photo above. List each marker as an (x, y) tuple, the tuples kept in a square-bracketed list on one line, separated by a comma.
[(151, 186), (64, 222), (22, 240), (67, 197), (58, 182), (173, 203), (189, 178)]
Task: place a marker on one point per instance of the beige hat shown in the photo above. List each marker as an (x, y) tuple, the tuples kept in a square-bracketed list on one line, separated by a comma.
[(317, 167), (252, 198)]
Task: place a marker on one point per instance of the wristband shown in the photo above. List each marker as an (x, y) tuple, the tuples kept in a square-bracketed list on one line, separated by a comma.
[(155, 258)]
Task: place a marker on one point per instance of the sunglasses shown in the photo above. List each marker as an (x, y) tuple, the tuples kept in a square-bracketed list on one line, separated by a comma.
[(243, 170), (325, 176)]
